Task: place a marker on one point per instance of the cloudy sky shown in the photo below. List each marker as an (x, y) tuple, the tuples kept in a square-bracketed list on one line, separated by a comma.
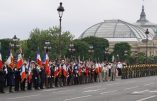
[(21, 16)]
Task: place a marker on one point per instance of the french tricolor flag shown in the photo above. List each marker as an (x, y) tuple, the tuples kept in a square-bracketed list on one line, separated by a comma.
[(23, 73), (10, 61), (38, 59), (19, 61), (46, 62), (65, 70)]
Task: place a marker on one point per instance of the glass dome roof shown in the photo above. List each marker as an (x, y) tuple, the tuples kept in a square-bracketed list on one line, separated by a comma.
[(116, 29)]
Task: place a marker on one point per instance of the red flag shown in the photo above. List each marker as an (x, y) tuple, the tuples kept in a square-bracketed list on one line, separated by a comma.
[(19, 61), (46, 62)]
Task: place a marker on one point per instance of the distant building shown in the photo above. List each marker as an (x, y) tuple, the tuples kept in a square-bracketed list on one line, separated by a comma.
[(116, 31)]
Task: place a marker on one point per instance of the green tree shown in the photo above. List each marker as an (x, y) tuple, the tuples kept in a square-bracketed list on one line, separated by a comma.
[(5, 46), (81, 49), (99, 45), (122, 51), (38, 37)]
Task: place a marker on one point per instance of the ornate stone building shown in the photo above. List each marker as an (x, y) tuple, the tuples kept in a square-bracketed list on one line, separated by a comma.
[(116, 31)]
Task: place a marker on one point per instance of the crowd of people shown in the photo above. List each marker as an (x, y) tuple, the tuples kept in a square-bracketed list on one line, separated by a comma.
[(32, 75)]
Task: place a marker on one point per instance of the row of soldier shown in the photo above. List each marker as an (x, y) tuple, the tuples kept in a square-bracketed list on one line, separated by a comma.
[(62, 73), (140, 70)]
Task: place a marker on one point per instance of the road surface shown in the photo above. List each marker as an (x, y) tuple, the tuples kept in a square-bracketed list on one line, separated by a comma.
[(137, 89)]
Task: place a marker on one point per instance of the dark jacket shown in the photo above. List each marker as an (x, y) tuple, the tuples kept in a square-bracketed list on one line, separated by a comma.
[(42, 75), (2, 75), (10, 77)]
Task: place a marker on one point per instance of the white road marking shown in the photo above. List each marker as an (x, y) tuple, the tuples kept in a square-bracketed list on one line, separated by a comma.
[(109, 92), (112, 84), (139, 92), (23, 97), (63, 91), (93, 90), (143, 99), (77, 97), (131, 88), (148, 84), (91, 87), (153, 91), (48, 90)]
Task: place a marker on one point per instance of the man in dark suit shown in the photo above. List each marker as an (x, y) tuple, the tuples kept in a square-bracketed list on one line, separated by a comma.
[(2, 80)]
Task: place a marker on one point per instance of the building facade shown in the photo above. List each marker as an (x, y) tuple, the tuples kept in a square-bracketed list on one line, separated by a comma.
[(116, 31)]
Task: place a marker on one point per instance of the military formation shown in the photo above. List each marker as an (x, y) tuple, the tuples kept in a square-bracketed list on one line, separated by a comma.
[(32, 75), (140, 70)]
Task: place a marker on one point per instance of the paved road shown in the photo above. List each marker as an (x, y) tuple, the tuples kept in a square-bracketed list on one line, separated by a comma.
[(138, 89)]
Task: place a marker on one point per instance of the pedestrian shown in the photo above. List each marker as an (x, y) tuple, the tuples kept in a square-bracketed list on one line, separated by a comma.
[(10, 78), (17, 79), (42, 77), (23, 76), (35, 76), (29, 75), (113, 71), (2, 80)]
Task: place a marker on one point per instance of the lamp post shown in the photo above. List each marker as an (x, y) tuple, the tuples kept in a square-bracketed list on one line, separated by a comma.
[(106, 54), (126, 54), (60, 10), (71, 50), (15, 44), (91, 50), (117, 57), (136, 56), (47, 46), (147, 32)]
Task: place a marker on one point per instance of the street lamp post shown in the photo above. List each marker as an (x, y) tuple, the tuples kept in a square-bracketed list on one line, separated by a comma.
[(72, 50), (15, 44), (117, 57), (147, 32), (136, 56), (47, 46), (106, 54), (91, 50), (60, 10), (126, 55)]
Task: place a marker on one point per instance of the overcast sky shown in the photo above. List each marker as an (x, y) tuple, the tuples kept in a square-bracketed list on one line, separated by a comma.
[(20, 17)]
